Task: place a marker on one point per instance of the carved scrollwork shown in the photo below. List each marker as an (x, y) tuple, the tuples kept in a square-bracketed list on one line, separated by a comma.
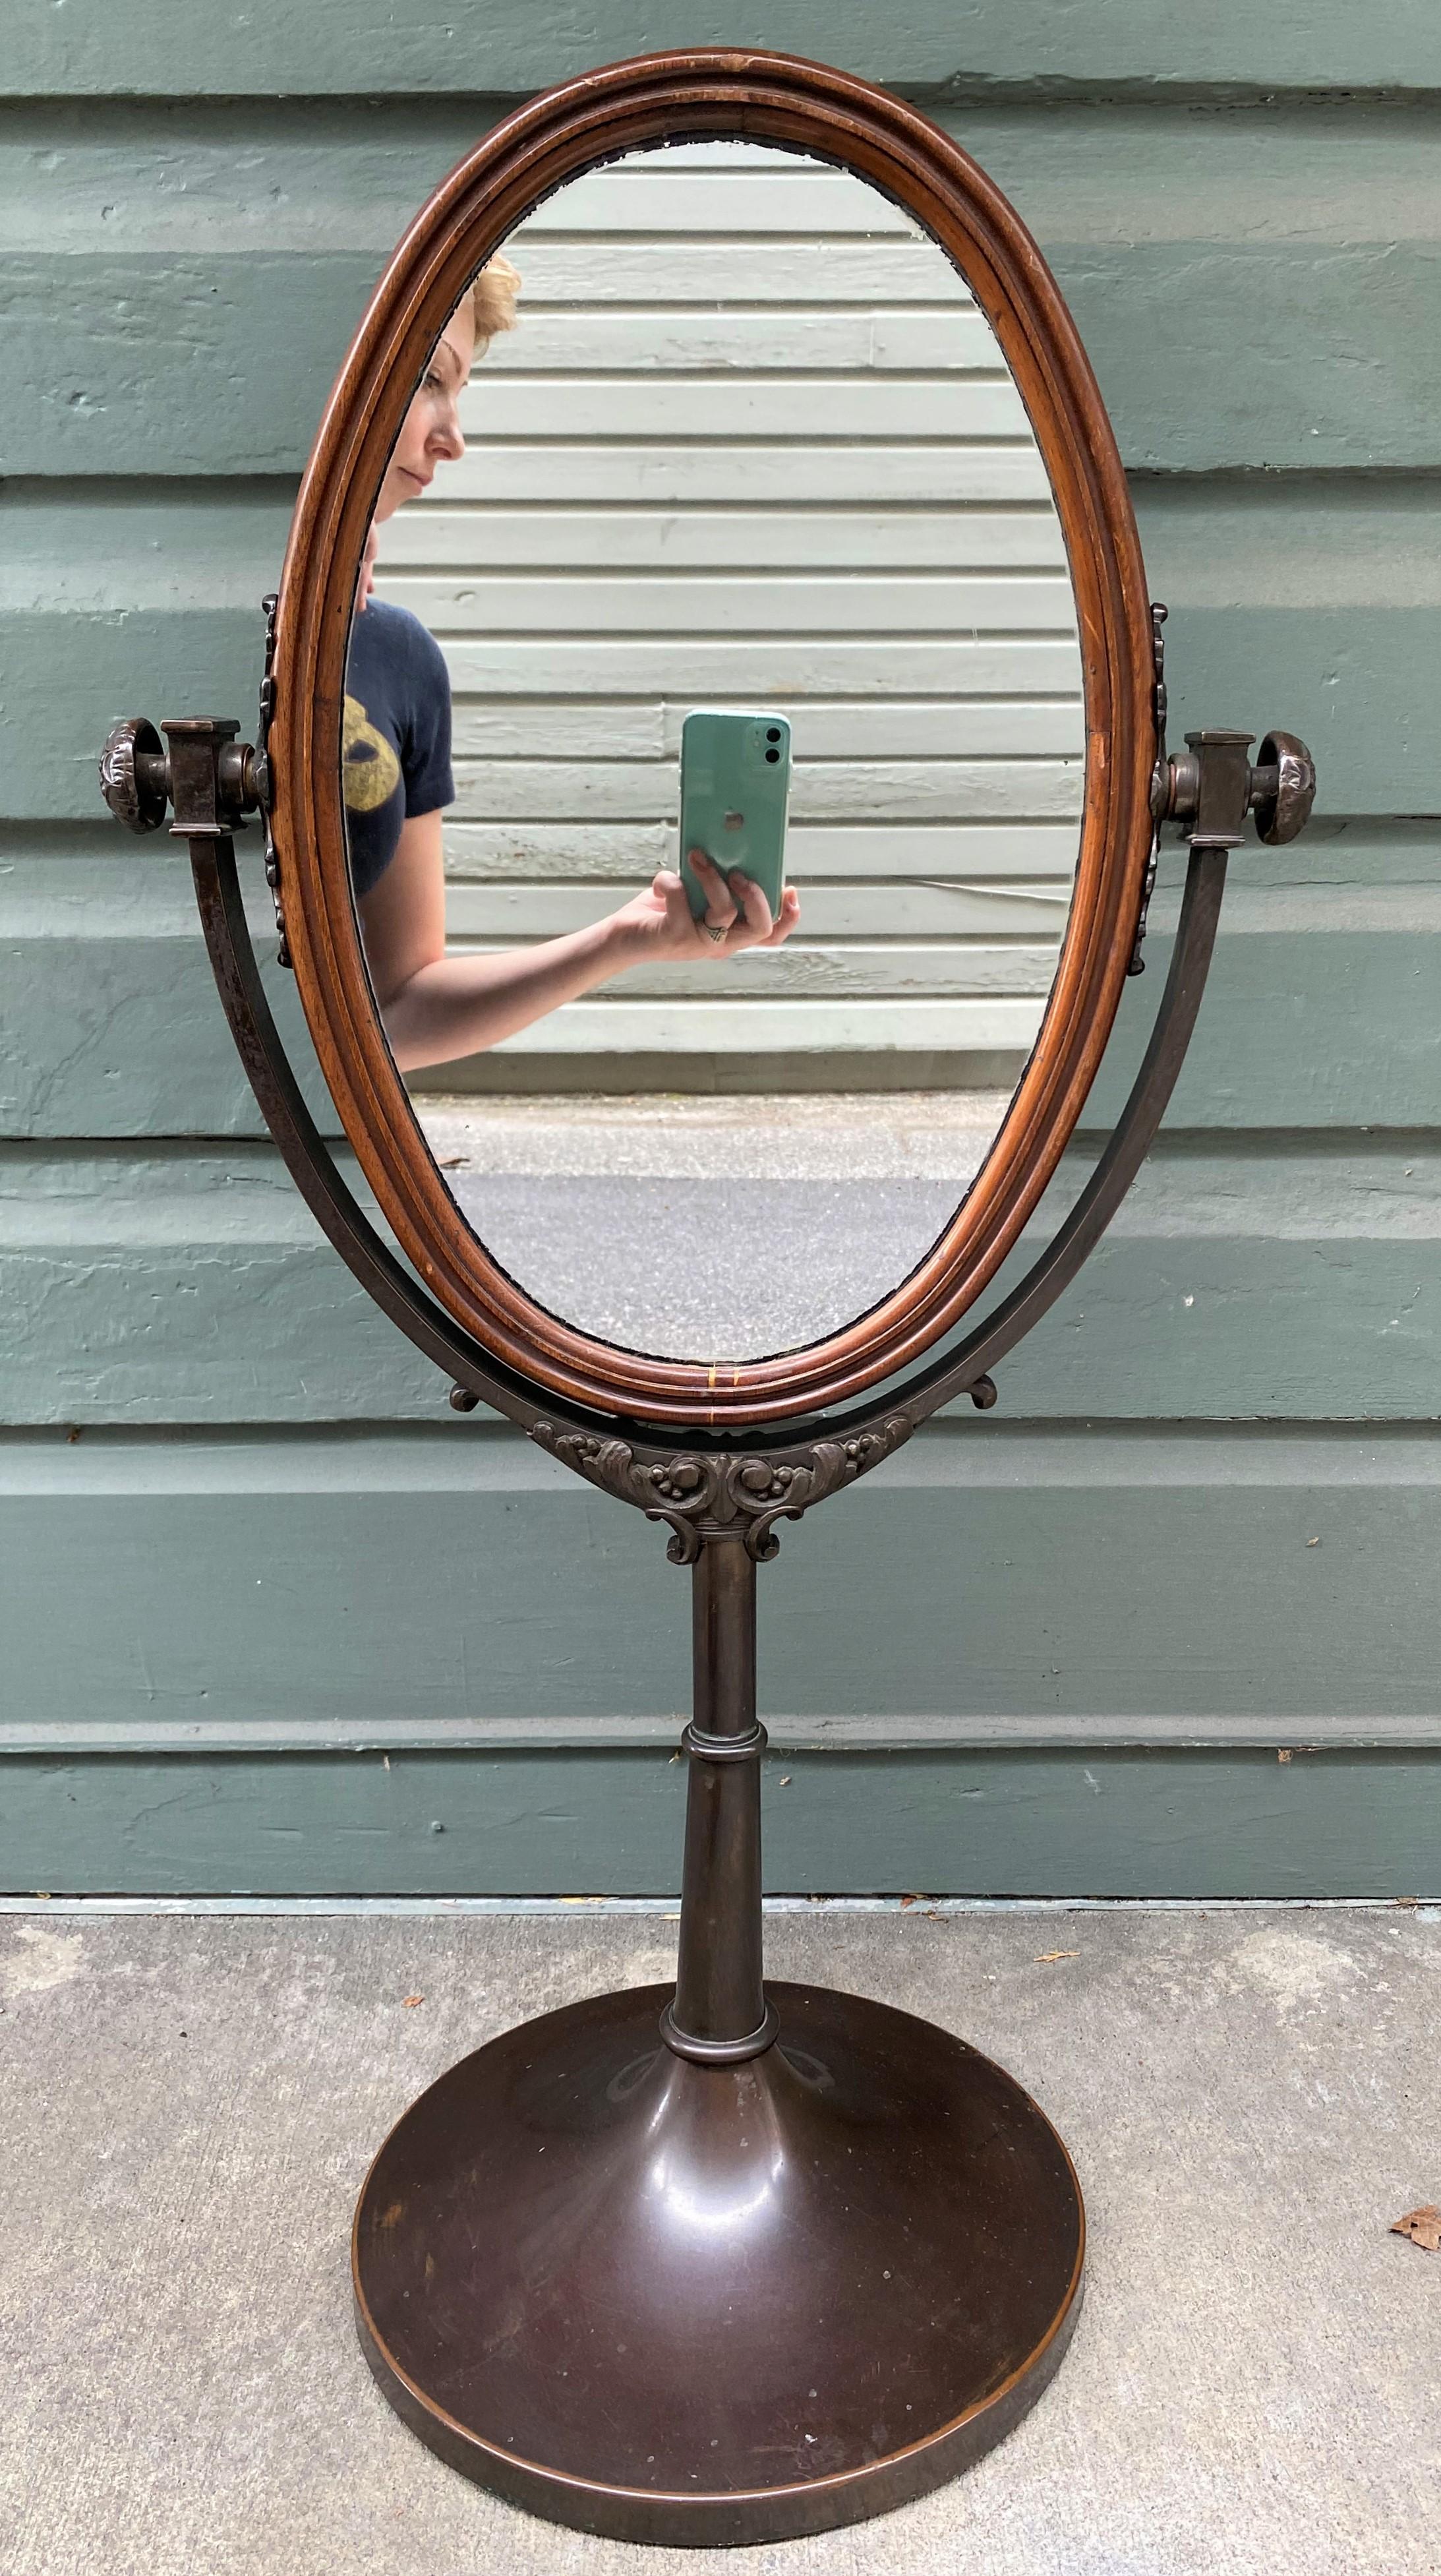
[(763, 1491), (699, 1496), (678, 1490)]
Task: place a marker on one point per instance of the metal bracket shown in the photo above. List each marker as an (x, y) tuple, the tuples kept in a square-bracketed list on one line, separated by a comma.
[(212, 781), (206, 775), (1212, 785), (209, 777)]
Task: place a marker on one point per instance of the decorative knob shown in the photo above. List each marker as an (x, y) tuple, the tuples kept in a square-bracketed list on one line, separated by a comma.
[(135, 775), (1212, 786), (1283, 811)]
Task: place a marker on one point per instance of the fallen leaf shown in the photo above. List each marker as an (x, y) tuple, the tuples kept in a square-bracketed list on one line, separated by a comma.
[(1406, 1900), (912, 1900), (1044, 1958), (450, 1162), (1423, 2226), (1284, 1754), (412, 2000)]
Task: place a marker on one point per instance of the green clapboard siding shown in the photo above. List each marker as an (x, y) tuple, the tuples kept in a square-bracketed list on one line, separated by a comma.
[(1214, 1295), (1043, 1822), (274, 1619), (353, 48), (1308, 313)]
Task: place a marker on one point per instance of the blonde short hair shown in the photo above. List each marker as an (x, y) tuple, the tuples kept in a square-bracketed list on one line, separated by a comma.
[(492, 300)]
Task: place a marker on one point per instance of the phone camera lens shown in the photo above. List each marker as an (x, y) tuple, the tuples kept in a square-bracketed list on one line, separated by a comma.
[(772, 755), (773, 733)]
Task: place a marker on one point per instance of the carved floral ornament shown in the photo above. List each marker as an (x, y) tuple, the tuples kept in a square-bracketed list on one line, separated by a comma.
[(705, 1497)]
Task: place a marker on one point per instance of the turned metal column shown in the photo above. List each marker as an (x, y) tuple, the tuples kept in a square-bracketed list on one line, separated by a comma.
[(720, 2012)]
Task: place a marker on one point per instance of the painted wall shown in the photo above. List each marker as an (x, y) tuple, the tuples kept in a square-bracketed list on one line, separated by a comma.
[(273, 1618)]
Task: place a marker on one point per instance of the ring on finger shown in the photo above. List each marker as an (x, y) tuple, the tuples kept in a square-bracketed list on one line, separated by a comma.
[(712, 932)]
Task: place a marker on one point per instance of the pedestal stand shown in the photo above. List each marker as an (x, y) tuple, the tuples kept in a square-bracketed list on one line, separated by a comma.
[(728, 2266)]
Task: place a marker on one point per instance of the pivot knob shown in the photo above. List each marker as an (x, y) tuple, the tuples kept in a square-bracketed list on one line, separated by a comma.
[(1212, 785), (212, 780), (135, 775), (1285, 809)]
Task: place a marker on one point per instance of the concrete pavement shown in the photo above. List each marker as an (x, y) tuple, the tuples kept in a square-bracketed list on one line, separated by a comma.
[(1250, 2094)]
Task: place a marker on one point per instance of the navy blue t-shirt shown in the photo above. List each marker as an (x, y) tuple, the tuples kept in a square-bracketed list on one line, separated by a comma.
[(396, 743)]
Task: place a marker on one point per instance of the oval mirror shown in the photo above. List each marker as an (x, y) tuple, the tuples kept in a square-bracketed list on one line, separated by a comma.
[(717, 453)]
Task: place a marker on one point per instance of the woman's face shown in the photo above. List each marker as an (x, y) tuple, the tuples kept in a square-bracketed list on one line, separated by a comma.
[(431, 431)]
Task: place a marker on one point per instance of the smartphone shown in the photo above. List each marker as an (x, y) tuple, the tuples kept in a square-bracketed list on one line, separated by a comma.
[(735, 776)]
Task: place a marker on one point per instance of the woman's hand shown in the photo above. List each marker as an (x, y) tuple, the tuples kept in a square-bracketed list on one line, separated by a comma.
[(438, 1007), (659, 927)]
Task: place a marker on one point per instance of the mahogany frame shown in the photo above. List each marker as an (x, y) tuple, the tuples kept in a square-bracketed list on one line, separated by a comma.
[(848, 122)]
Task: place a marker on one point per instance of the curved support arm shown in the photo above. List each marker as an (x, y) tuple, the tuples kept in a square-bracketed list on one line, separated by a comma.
[(778, 1474)]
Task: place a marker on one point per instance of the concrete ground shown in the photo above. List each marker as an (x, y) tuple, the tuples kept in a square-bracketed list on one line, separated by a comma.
[(190, 2103), (711, 1227)]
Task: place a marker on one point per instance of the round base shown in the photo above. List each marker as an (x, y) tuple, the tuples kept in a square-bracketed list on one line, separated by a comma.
[(716, 2304)]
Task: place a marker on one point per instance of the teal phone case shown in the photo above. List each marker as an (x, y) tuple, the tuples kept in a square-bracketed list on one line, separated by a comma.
[(735, 775)]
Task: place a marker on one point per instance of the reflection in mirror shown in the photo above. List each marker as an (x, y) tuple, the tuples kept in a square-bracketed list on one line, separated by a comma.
[(723, 428)]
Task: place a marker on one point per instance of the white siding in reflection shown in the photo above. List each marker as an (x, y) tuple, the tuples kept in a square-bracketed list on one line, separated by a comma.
[(753, 443)]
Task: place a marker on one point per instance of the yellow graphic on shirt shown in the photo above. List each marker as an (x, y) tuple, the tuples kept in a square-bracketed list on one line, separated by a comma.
[(369, 766)]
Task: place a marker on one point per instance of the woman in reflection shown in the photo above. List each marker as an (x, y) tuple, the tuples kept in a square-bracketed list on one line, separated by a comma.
[(398, 779)]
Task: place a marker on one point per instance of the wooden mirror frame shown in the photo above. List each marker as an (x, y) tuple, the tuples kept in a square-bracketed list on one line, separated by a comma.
[(809, 108)]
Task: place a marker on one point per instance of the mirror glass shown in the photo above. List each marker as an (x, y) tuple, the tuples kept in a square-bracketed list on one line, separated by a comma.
[(721, 429)]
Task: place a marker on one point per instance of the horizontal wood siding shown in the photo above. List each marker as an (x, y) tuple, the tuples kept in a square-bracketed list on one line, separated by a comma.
[(1059, 1649), (757, 444), (352, 49)]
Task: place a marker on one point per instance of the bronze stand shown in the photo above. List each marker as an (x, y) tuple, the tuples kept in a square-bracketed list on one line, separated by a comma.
[(728, 2266), (720, 2015), (721, 2264)]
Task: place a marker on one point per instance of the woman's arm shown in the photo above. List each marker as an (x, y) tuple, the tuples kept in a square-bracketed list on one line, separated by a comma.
[(436, 1008)]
